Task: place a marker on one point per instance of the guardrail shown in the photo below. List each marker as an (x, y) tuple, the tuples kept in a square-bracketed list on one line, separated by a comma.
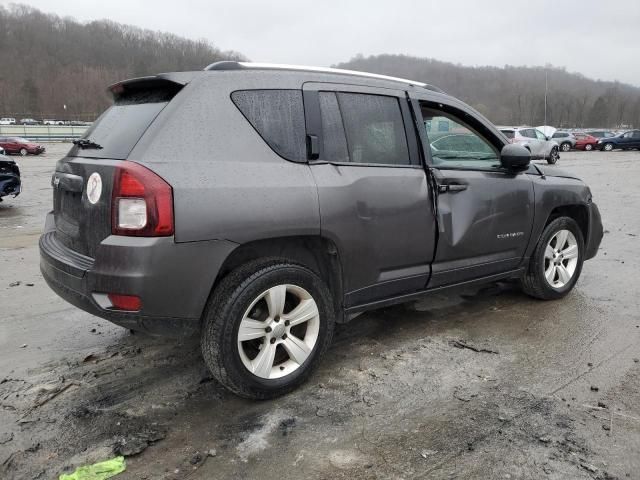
[(44, 133)]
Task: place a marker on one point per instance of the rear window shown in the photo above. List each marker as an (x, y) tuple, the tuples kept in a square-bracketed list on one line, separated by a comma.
[(120, 127), (509, 133), (278, 116)]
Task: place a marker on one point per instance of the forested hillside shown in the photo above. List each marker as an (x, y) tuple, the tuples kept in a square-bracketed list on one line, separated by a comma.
[(515, 95), (47, 61)]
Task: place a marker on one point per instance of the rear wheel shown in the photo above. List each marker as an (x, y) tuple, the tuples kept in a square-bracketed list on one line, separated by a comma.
[(588, 147), (554, 156), (556, 263), (565, 147), (607, 147), (266, 327), (23, 152)]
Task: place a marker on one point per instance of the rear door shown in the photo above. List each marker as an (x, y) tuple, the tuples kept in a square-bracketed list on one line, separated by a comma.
[(374, 198), (485, 213)]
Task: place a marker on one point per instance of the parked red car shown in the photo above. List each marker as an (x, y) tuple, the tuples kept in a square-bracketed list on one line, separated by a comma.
[(585, 141), (20, 145)]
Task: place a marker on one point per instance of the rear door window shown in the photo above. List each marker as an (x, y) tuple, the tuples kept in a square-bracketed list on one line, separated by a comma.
[(278, 117), (374, 129)]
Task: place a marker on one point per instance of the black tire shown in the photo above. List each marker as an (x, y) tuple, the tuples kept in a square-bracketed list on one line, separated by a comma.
[(565, 146), (588, 147), (607, 147), (554, 156), (534, 282), (224, 312), (23, 152)]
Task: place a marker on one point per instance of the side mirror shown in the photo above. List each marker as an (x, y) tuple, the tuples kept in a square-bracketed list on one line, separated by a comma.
[(548, 138), (515, 157)]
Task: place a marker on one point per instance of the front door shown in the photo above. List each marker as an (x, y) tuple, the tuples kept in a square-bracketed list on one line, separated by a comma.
[(374, 197), (485, 213)]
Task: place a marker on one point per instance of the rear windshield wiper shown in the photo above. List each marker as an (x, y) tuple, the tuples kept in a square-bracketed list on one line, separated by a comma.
[(86, 143)]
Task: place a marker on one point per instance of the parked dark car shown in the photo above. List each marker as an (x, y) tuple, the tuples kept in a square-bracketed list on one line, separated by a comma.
[(261, 205), (625, 141), (10, 183), (585, 141), (17, 145)]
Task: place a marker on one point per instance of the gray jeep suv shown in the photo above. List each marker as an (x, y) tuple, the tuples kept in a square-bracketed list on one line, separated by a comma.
[(259, 205)]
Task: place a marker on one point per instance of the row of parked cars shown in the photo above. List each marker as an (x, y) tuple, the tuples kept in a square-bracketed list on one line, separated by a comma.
[(598, 140), (548, 147), (33, 121)]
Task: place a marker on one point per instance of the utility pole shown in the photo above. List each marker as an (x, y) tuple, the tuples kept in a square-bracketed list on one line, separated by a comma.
[(546, 88)]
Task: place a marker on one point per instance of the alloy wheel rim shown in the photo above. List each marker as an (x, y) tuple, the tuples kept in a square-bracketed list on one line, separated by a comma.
[(560, 258), (608, 147), (554, 155), (566, 147), (278, 331)]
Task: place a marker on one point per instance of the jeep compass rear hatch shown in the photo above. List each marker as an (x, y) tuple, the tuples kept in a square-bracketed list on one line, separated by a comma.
[(84, 180)]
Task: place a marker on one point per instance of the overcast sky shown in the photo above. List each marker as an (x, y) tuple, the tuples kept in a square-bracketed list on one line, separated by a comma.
[(599, 39)]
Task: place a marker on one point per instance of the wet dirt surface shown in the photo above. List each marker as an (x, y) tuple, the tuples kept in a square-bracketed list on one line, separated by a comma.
[(555, 395)]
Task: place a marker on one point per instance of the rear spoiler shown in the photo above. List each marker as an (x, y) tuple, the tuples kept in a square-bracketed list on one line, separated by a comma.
[(170, 82)]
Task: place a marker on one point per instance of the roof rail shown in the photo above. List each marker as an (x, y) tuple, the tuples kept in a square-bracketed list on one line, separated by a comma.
[(233, 65)]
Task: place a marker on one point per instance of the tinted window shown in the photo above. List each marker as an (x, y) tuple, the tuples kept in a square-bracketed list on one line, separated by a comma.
[(120, 127), (527, 133), (509, 133), (278, 116), (374, 128), (333, 137), (461, 146), (560, 135)]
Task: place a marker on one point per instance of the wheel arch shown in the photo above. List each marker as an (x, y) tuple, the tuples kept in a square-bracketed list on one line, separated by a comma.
[(577, 212), (315, 252)]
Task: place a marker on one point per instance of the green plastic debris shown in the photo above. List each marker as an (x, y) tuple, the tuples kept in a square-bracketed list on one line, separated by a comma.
[(97, 471)]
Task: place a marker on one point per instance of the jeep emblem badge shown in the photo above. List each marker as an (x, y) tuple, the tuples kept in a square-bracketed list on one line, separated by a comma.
[(94, 188)]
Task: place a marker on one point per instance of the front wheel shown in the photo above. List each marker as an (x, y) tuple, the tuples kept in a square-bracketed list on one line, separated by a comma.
[(556, 263), (23, 152), (565, 147), (588, 147), (607, 147), (266, 327), (554, 156)]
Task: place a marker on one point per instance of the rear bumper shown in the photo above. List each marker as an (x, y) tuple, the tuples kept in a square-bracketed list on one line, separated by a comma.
[(596, 232), (173, 280)]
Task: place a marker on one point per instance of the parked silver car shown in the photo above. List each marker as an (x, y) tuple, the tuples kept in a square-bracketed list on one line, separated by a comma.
[(566, 140), (540, 146)]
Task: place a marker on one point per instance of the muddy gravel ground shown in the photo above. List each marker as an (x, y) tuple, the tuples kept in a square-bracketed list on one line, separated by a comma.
[(547, 389)]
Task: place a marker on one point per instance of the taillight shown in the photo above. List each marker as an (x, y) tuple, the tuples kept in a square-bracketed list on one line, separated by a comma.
[(141, 203)]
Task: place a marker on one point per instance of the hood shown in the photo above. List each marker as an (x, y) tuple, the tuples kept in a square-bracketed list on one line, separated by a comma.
[(550, 171)]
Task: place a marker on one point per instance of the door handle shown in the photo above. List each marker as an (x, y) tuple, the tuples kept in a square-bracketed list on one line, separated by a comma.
[(451, 187)]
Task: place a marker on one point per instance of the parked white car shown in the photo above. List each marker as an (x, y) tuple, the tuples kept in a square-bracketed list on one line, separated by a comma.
[(52, 122), (540, 146), (7, 121)]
